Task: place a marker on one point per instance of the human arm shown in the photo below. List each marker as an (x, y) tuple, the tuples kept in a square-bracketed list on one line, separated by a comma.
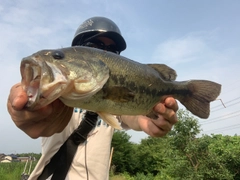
[(43, 122), (159, 127)]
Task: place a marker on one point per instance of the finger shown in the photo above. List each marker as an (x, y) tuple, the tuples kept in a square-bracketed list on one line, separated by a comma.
[(17, 97), (160, 108), (171, 117), (159, 128), (171, 103), (155, 128), (166, 113)]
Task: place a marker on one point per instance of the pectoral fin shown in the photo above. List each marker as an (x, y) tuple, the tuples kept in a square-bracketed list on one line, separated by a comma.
[(110, 119)]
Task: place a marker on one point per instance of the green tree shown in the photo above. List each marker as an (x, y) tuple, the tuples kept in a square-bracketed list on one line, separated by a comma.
[(227, 149), (151, 155), (185, 130), (195, 160), (182, 154), (123, 154)]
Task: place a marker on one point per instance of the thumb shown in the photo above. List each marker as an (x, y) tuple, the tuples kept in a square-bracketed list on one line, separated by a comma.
[(18, 97)]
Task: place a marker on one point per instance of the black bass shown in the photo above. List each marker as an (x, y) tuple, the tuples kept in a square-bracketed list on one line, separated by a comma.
[(109, 84)]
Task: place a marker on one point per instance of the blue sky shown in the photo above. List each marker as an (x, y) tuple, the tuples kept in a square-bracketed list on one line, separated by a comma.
[(199, 39)]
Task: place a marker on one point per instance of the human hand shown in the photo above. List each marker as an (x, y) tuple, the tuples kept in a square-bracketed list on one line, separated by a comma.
[(43, 122), (166, 112)]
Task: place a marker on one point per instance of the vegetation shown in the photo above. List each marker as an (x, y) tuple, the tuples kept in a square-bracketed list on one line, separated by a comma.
[(179, 155), (12, 171), (182, 154)]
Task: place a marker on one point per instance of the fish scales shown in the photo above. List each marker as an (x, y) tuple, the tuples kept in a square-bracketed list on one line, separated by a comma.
[(121, 77), (140, 79), (107, 83)]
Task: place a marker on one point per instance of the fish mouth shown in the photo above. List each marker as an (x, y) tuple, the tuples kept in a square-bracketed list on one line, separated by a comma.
[(42, 81)]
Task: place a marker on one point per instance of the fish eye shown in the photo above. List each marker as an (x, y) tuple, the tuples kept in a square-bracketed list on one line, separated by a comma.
[(57, 54)]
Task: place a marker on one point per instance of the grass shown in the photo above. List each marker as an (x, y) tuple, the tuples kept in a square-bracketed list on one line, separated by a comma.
[(12, 171)]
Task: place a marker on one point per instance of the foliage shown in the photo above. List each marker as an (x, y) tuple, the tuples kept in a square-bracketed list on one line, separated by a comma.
[(182, 154), (123, 159), (184, 131), (122, 176), (195, 159), (151, 156), (226, 149)]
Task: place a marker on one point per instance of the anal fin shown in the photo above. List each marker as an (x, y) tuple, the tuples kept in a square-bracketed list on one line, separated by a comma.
[(110, 119)]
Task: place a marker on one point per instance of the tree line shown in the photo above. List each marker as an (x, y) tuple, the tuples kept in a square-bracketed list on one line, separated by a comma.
[(182, 154)]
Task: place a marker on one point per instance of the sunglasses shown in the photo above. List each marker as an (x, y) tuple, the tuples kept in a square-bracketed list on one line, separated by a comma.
[(101, 45)]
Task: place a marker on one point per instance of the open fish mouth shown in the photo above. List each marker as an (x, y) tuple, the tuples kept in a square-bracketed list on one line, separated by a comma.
[(31, 78), (42, 81)]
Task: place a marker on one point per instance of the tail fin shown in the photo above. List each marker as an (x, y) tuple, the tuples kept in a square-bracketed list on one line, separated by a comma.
[(202, 92)]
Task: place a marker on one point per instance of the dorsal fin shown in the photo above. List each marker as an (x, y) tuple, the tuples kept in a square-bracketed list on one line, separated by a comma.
[(164, 71)]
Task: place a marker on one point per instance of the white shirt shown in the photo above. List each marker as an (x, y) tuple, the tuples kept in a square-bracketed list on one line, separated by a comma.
[(91, 158)]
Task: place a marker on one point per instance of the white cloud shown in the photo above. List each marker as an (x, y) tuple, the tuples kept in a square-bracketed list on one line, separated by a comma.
[(180, 50)]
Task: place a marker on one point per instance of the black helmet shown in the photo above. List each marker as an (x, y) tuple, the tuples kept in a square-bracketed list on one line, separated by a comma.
[(99, 27)]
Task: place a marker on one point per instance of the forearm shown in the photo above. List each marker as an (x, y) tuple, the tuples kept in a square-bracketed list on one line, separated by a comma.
[(130, 122)]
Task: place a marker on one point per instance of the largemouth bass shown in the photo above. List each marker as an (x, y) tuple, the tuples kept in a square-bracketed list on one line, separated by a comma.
[(109, 84)]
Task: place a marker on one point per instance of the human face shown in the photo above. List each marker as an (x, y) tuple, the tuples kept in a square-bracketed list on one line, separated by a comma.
[(102, 43)]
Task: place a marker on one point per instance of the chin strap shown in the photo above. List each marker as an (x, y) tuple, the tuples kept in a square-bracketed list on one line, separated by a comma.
[(60, 163)]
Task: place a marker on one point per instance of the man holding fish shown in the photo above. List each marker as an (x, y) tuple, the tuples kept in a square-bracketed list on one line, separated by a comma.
[(55, 122)]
